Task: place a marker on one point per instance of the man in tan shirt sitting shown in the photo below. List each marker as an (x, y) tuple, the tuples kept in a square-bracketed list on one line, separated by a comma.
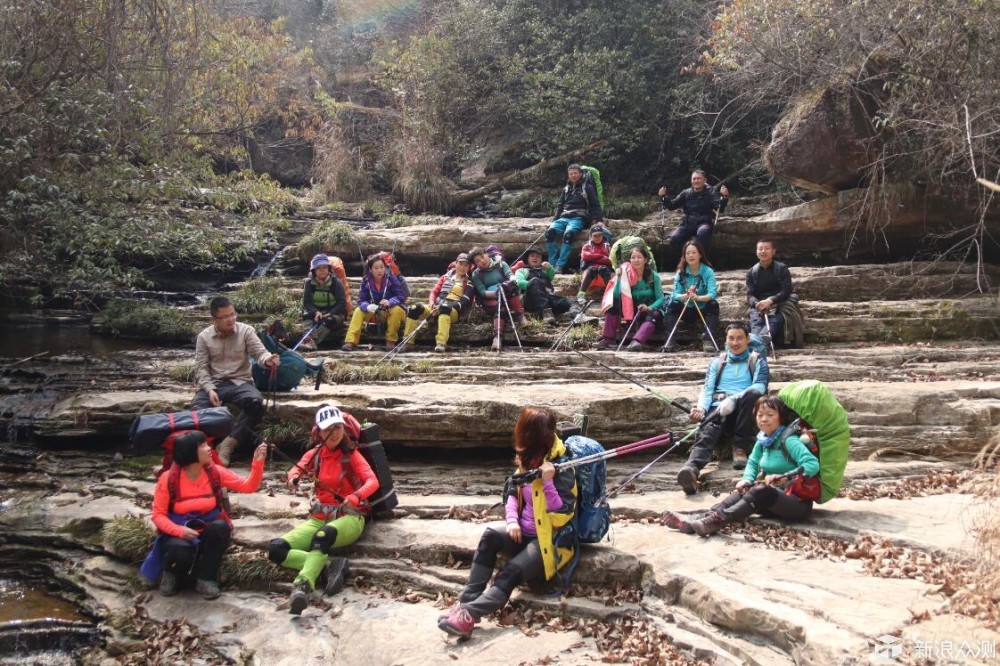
[(222, 372)]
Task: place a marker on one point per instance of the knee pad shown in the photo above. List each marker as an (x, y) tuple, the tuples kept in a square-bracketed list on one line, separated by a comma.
[(324, 539), (551, 234), (568, 237), (277, 550), (509, 578), (415, 311)]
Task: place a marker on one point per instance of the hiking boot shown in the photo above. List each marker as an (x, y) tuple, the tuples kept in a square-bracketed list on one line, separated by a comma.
[(676, 521), (168, 584), (349, 347), (300, 598), (497, 344), (670, 347), (581, 298), (458, 622), (226, 449), (709, 525), (549, 316), (708, 347), (208, 588), (687, 479), (389, 346), (307, 345), (519, 318), (739, 458), (604, 343), (336, 575), (441, 348), (635, 345)]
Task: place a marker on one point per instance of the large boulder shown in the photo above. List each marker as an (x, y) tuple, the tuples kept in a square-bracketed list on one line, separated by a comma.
[(822, 142), (286, 159)]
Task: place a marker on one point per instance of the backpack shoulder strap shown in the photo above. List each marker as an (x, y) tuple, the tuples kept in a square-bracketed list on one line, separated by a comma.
[(215, 480), (793, 428), (723, 358), (173, 483)]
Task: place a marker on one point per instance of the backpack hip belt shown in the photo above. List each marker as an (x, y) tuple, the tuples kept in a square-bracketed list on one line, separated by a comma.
[(331, 511)]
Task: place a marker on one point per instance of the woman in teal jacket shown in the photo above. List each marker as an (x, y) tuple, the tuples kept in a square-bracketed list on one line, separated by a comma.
[(781, 478), (694, 287)]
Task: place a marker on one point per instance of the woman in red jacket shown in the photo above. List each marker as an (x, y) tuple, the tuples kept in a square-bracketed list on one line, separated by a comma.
[(343, 483), (190, 516)]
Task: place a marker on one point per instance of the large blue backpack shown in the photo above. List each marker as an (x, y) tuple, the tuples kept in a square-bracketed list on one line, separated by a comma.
[(294, 366), (593, 515)]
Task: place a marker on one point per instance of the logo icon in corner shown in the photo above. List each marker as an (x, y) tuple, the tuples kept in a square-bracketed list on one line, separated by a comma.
[(888, 647)]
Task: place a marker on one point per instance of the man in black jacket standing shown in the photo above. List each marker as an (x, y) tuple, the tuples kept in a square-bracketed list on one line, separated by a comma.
[(579, 206), (701, 204), (769, 284)]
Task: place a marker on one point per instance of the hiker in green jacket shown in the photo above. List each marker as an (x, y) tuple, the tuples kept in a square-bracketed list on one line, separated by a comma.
[(535, 282)]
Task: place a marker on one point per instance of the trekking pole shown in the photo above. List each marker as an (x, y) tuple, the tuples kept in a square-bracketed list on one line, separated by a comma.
[(392, 353), (627, 331), (624, 484), (511, 317), (677, 323), (532, 474), (653, 392), (707, 329), (565, 333), (770, 338), (308, 333)]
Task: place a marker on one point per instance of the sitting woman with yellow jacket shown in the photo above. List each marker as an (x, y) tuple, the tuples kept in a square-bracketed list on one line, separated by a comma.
[(536, 515)]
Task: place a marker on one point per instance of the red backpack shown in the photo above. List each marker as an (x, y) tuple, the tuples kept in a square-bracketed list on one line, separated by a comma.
[(803, 487), (168, 450), (174, 484)]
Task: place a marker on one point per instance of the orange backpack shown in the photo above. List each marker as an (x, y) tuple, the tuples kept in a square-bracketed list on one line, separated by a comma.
[(337, 266)]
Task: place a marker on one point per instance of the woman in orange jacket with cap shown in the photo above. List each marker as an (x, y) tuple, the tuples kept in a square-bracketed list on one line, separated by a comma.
[(343, 481)]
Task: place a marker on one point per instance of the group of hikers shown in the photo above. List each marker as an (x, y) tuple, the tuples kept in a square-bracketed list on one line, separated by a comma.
[(780, 463), (632, 301)]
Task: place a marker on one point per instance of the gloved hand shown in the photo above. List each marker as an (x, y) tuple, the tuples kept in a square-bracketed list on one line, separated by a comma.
[(333, 321), (727, 406), (352, 500), (444, 308), (372, 308)]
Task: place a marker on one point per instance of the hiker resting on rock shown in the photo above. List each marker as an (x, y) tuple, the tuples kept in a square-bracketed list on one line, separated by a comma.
[(701, 205), (769, 284), (535, 282), (189, 512), (496, 291), (534, 538), (381, 295), (343, 482), (222, 372), (734, 381), (635, 296), (578, 207), (766, 487), (595, 261), (694, 287), (323, 302), (449, 298)]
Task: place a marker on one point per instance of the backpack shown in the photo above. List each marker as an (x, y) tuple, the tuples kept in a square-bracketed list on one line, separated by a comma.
[(593, 515), (390, 263), (813, 401), (168, 450), (174, 482), (293, 367), (623, 247), (806, 488), (724, 358), (592, 174), (338, 269)]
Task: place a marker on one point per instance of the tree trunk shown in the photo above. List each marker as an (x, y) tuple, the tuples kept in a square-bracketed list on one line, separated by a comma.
[(459, 199)]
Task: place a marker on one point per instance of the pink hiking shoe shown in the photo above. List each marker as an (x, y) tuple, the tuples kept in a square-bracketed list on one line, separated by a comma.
[(458, 622)]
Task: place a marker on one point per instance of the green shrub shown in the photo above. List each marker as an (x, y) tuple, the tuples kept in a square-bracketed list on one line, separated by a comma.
[(263, 296), (147, 320), (349, 373), (329, 237), (181, 372), (128, 537)]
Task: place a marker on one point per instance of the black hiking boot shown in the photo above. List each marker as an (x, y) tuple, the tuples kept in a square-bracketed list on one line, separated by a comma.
[(300, 598), (336, 575), (687, 479)]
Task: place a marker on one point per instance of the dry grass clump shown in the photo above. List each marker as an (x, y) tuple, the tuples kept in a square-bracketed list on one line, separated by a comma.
[(181, 372), (988, 532), (339, 168), (128, 537), (251, 570), (349, 373)]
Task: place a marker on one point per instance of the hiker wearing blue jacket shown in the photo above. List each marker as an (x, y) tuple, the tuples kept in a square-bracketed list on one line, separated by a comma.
[(578, 207), (734, 381)]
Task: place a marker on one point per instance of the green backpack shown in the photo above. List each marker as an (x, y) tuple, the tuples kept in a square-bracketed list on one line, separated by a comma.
[(593, 174), (816, 404)]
